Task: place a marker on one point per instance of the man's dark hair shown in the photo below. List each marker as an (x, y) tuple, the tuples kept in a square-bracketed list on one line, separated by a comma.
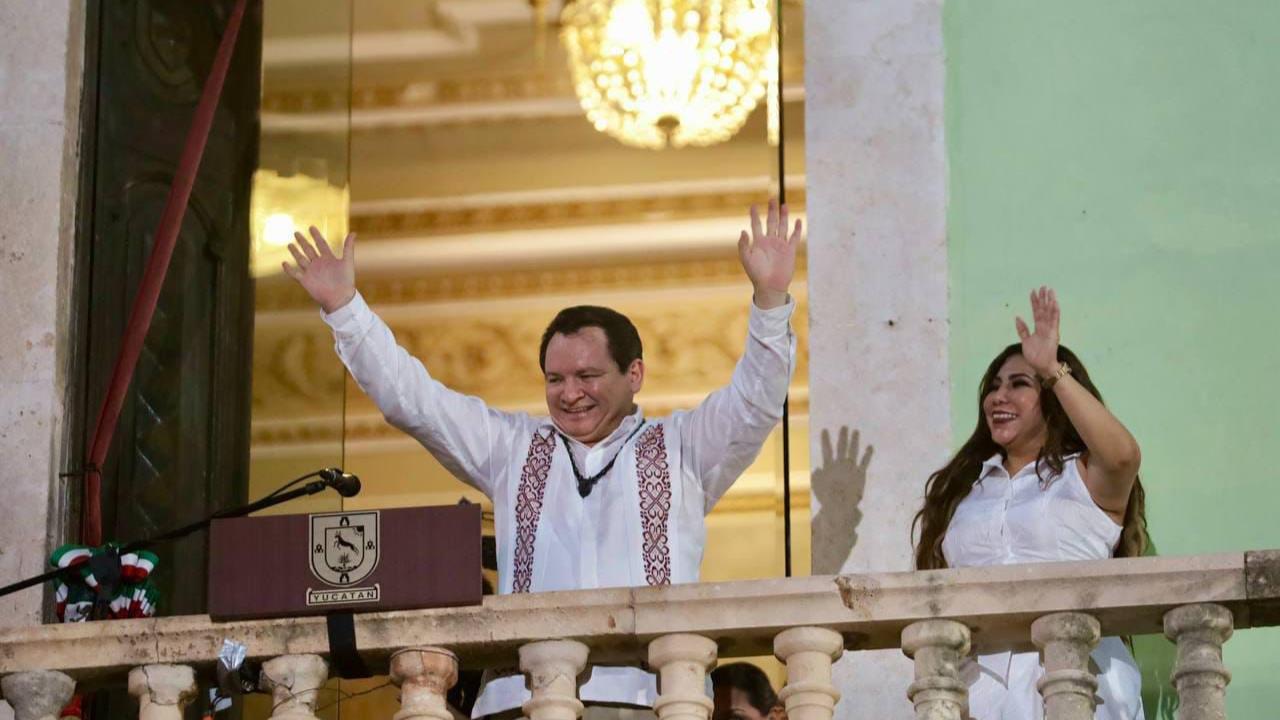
[(751, 680), (619, 333)]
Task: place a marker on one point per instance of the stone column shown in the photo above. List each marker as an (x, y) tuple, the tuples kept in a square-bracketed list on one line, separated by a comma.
[(424, 675), (1199, 674), (938, 648), (163, 691), (682, 662), (294, 682), (808, 653), (876, 173), (552, 668), (37, 694), (41, 53), (1068, 686)]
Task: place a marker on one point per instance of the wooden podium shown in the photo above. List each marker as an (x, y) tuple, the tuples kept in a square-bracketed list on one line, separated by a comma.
[(356, 561)]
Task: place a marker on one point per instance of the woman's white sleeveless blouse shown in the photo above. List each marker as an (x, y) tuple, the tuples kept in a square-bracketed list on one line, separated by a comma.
[(1023, 519)]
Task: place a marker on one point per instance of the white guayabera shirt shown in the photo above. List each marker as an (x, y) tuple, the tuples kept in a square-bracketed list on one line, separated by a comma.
[(642, 524)]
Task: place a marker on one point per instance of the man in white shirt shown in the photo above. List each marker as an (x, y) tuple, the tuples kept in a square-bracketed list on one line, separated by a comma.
[(595, 495)]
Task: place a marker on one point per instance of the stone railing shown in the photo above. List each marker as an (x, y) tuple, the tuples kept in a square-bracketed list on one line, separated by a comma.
[(935, 617)]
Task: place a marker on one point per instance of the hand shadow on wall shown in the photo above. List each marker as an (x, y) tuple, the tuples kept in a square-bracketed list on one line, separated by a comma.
[(838, 485)]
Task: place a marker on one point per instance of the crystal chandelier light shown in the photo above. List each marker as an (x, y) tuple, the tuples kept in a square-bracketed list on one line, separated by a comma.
[(659, 73)]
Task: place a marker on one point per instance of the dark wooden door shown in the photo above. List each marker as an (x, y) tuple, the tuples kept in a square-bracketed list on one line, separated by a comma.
[(181, 449)]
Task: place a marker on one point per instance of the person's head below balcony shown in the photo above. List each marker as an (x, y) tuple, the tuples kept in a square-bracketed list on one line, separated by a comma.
[(594, 494), (742, 691), (1049, 474)]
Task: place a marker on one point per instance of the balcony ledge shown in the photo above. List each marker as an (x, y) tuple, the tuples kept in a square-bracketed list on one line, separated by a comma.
[(998, 604)]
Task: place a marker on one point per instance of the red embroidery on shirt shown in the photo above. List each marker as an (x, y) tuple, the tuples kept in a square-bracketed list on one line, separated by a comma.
[(533, 484), (654, 479)]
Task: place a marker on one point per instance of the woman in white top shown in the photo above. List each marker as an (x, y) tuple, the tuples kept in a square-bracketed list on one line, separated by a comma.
[(1049, 474)]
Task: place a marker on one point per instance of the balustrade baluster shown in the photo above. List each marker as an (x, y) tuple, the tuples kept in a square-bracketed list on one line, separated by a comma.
[(424, 676), (552, 668), (163, 691), (938, 647), (808, 652), (294, 682), (37, 694), (682, 662), (1199, 674)]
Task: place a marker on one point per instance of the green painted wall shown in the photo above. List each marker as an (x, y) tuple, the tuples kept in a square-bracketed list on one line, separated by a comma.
[(1127, 152)]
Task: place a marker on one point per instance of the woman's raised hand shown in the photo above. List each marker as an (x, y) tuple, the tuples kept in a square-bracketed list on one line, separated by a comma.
[(1040, 347)]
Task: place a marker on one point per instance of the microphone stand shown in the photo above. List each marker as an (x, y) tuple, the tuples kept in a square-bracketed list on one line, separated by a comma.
[(311, 488)]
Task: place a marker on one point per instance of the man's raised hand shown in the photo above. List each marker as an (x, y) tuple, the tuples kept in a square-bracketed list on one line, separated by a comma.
[(328, 279), (769, 255)]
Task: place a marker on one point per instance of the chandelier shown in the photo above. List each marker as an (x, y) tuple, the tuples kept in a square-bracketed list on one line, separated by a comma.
[(669, 73)]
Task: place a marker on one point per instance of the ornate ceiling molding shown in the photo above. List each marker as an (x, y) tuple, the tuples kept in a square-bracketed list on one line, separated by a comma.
[(433, 92), (420, 94), (281, 295), (597, 192), (455, 216), (432, 103)]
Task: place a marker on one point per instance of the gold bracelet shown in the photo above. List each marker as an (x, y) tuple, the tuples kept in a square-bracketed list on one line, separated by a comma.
[(1063, 370)]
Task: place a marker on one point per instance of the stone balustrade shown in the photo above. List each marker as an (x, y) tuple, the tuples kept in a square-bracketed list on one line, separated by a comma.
[(935, 617)]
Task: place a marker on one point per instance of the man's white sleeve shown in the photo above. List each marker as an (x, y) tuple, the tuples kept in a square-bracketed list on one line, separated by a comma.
[(723, 435), (472, 440)]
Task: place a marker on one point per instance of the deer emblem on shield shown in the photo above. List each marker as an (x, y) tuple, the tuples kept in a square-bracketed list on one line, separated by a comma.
[(344, 546)]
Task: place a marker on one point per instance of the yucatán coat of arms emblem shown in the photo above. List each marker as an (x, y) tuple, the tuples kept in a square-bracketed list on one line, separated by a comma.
[(344, 551)]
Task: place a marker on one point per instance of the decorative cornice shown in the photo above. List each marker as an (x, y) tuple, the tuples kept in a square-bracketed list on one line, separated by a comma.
[(534, 85), (434, 103), (420, 94), (279, 294), (445, 220)]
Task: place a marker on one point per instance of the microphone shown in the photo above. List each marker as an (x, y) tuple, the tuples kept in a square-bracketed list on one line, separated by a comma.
[(346, 484)]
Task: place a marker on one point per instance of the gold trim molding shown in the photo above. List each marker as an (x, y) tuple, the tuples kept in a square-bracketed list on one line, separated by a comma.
[(420, 94), (279, 294), (428, 93), (522, 216)]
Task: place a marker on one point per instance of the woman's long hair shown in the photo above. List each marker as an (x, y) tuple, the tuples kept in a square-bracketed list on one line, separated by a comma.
[(948, 486)]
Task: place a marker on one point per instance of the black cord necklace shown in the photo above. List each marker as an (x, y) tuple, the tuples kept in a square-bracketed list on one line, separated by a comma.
[(587, 484)]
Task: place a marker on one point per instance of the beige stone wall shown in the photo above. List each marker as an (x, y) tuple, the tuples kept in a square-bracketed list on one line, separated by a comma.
[(876, 175), (41, 65)]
